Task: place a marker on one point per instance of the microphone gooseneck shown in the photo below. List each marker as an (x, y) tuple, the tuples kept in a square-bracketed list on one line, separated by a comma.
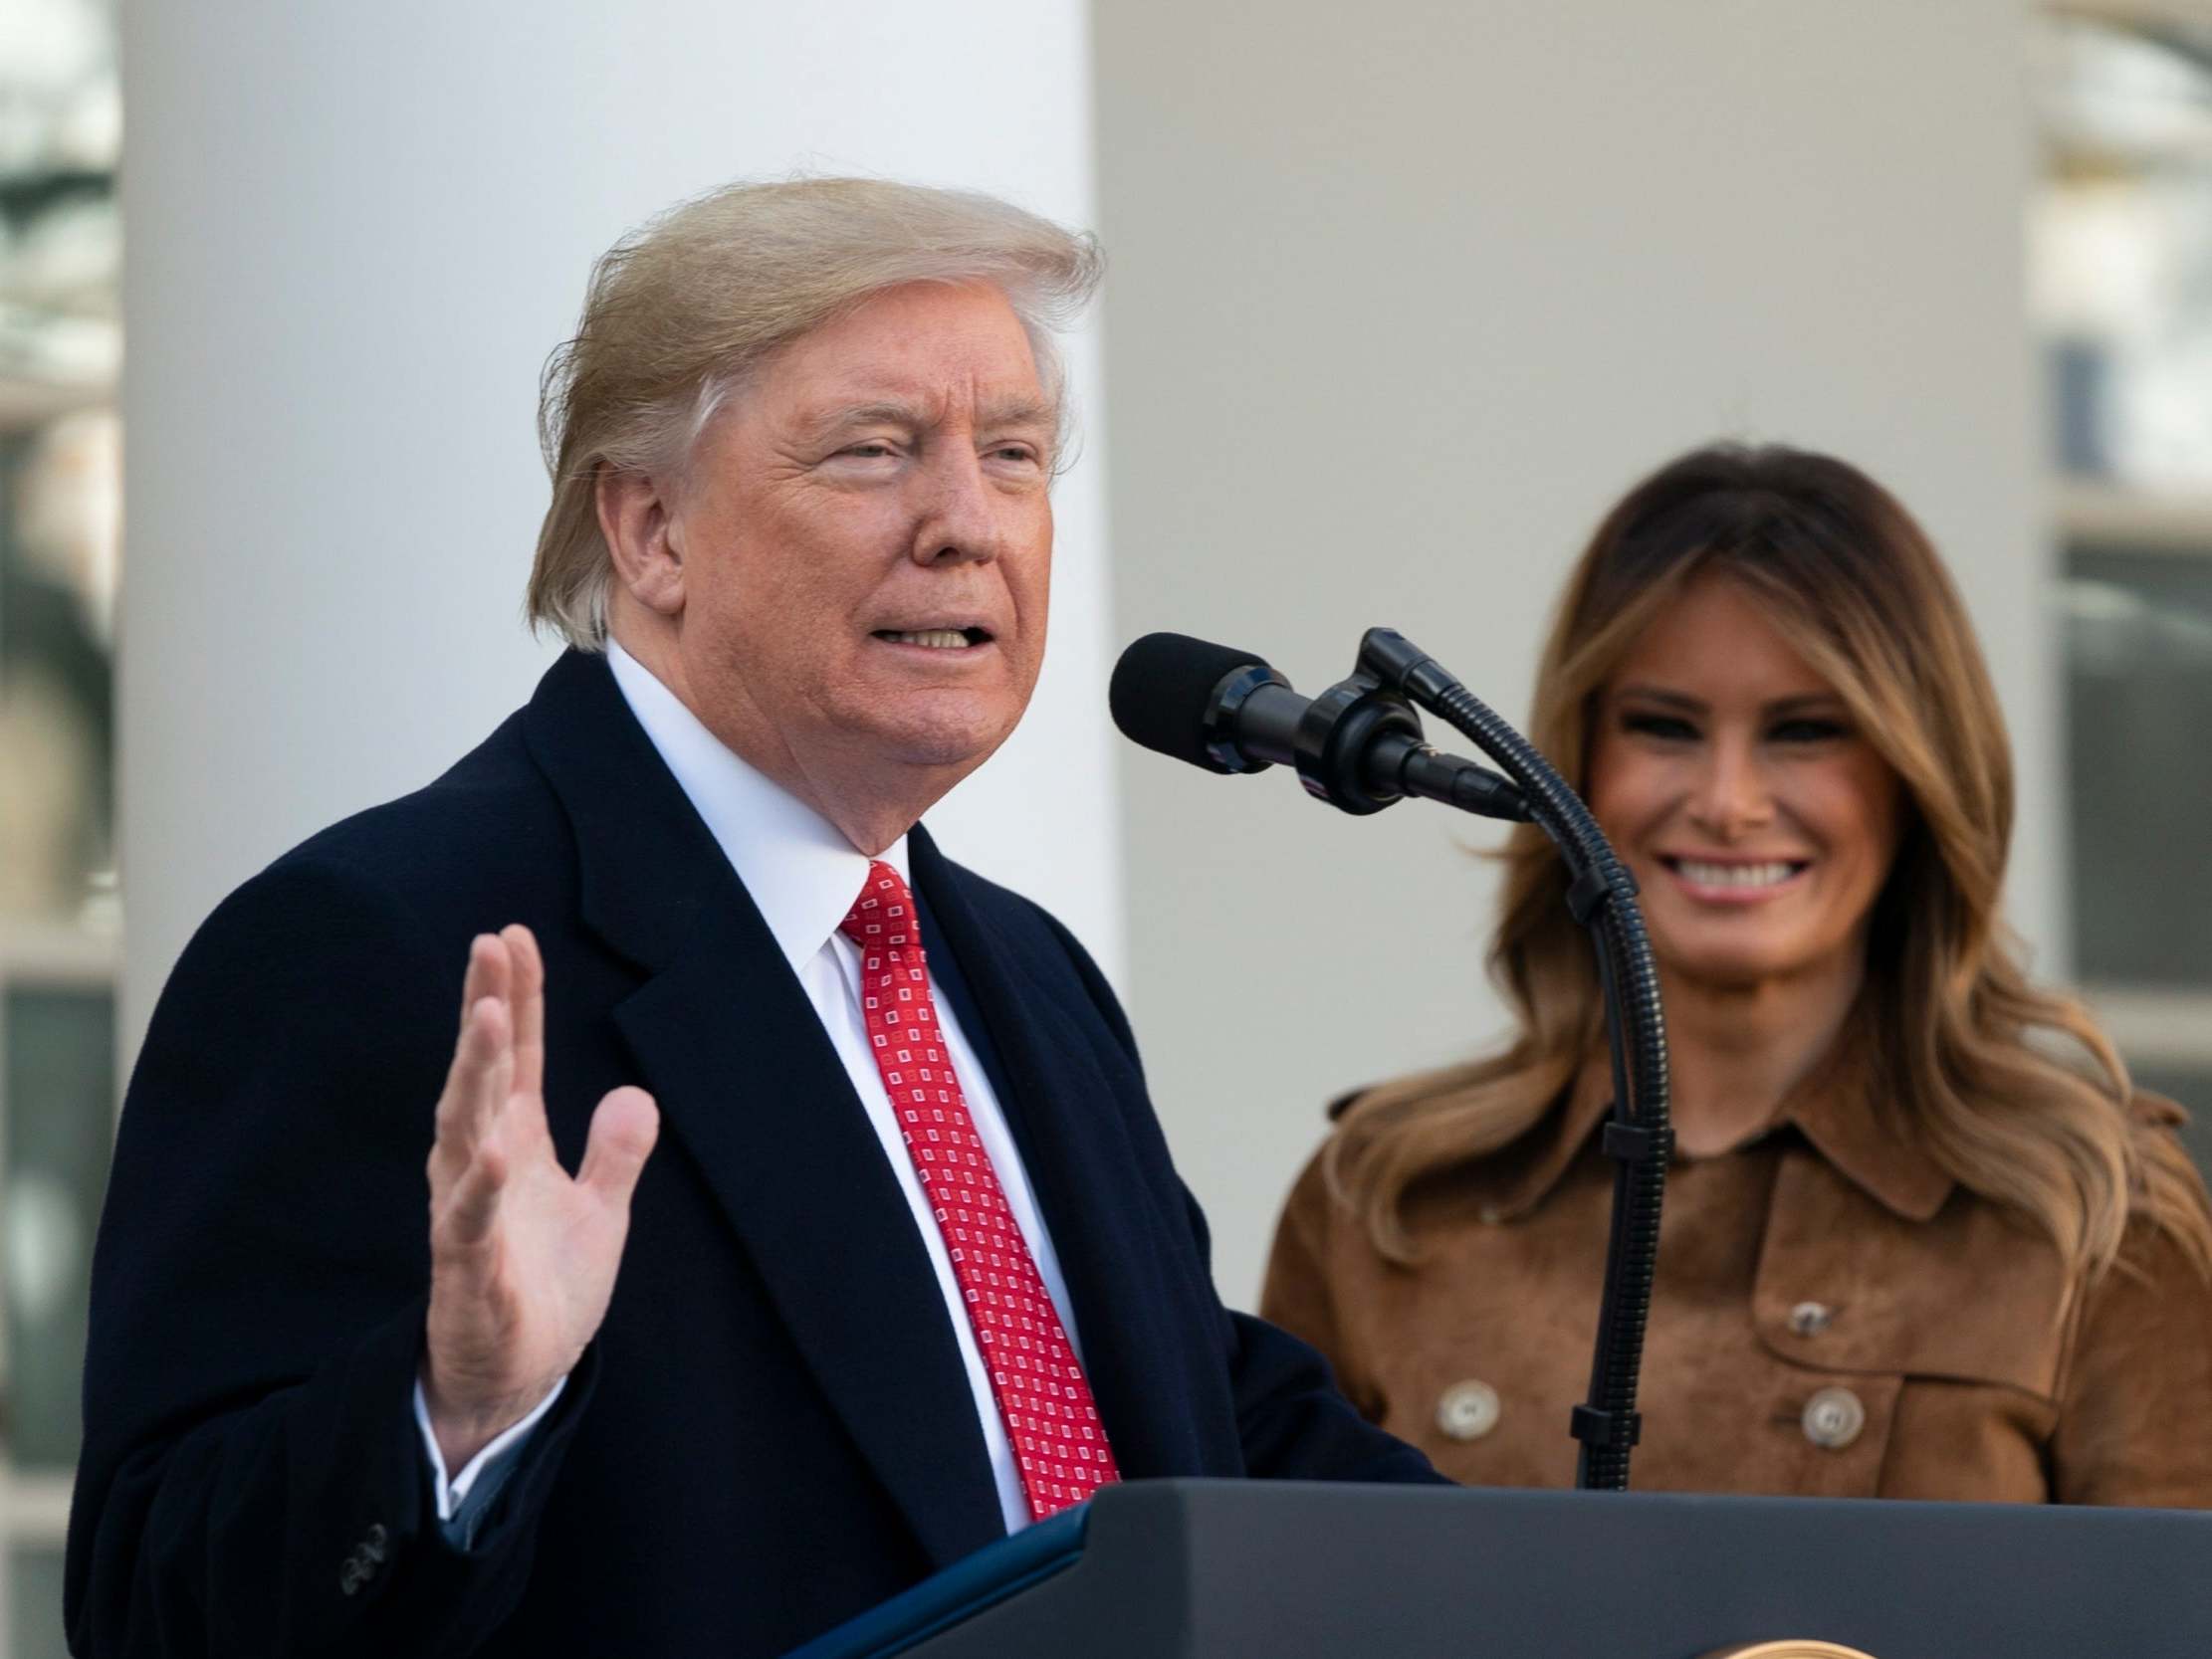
[(1639, 1136), (1358, 746)]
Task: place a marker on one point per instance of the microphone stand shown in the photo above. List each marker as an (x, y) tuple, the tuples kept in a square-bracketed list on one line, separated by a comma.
[(1391, 673)]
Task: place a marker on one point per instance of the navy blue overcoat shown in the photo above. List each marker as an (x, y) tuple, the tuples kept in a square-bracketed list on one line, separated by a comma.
[(773, 1430)]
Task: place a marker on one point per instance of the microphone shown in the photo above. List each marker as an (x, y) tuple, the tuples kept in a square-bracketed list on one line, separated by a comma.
[(1357, 745)]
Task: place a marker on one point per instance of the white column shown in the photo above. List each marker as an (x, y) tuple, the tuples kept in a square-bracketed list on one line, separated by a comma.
[(355, 232)]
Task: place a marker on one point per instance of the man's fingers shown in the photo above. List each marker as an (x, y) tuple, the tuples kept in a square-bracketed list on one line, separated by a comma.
[(526, 997), (475, 1206), (488, 973), (483, 1060), (472, 1053), (472, 980), (623, 1131), (498, 1077), (469, 1048)]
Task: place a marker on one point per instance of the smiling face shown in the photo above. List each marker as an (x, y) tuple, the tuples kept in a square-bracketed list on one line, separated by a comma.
[(866, 543), (1759, 823)]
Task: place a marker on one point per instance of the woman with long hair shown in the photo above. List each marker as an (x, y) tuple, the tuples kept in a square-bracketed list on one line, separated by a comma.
[(1920, 1237)]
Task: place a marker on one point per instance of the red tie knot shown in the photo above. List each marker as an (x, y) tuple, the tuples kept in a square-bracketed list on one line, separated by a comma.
[(883, 915)]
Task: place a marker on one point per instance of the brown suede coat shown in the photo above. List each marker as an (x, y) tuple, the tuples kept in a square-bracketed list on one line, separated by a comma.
[(1832, 1317)]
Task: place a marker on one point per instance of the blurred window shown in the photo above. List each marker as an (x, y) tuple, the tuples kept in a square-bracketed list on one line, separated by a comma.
[(2138, 637), (2121, 279), (60, 536), (2120, 268)]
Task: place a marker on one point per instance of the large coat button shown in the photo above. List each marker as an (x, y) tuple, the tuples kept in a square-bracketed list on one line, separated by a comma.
[(1468, 1410), (1834, 1418)]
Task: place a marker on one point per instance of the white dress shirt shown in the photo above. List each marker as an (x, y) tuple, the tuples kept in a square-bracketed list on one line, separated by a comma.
[(803, 876)]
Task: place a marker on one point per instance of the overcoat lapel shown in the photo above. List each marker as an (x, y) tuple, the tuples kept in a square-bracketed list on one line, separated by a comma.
[(751, 1085), (1101, 1210)]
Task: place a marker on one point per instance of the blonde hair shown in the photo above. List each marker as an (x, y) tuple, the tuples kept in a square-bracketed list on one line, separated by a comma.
[(1847, 576), (681, 311)]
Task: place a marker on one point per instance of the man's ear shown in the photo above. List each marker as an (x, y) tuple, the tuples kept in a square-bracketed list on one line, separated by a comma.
[(638, 520)]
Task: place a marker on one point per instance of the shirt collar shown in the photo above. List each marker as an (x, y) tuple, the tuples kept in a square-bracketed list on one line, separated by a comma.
[(1841, 1106), (796, 866)]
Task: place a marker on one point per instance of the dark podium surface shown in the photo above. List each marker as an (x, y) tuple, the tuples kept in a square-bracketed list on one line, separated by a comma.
[(1166, 1568)]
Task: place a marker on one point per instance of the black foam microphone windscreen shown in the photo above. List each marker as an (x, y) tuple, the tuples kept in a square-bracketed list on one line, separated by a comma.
[(1161, 690)]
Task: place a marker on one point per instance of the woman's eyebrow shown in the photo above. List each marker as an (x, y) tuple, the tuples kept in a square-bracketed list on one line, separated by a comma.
[(1803, 703), (1660, 695), (1795, 703)]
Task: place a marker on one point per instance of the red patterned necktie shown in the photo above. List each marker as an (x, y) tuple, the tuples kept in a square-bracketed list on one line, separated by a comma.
[(1042, 1394)]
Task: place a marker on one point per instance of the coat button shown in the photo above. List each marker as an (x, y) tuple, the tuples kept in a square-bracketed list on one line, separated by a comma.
[(1468, 1410), (1834, 1418), (1810, 1319), (361, 1567)]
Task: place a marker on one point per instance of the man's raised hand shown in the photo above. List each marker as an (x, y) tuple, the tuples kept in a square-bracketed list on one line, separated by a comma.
[(522, 1255)]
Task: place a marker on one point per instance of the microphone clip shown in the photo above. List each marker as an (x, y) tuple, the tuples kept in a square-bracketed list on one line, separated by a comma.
[(1351, 744)]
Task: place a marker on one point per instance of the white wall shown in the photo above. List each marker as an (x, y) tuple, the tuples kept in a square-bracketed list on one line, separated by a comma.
[(353, 234), (1404, 295)]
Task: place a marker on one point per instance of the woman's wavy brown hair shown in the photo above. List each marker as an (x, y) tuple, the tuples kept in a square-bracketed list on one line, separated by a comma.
[(2013, 1090)]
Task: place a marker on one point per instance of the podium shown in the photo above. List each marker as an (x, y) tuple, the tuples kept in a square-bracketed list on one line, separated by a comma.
[(1203, 1570)]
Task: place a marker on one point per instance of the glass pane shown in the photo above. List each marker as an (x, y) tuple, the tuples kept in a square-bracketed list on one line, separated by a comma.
[(2122, 247), (59, 1087), (2138, 637), (35, 1604)]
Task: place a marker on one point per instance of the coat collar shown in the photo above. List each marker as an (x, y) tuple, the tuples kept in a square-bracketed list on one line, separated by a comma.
[(752, 1086), (1842, 1108)]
